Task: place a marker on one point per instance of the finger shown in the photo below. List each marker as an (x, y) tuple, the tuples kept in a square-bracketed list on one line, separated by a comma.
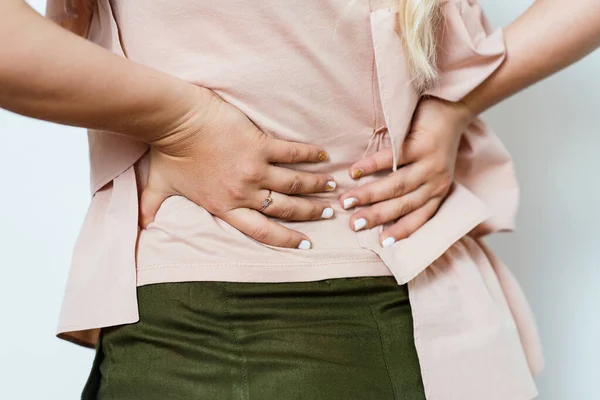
[(282, 151), (260, 228), (409, 224), (399, 183), (380, 161), (414, 148), (151, 199), (284, 180), (389, 210), (291, 208)]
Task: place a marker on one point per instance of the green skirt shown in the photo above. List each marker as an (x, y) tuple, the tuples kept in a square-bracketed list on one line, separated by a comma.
[(334, 339)]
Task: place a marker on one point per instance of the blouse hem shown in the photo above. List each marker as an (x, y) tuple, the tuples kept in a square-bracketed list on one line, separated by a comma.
[(261, 272)]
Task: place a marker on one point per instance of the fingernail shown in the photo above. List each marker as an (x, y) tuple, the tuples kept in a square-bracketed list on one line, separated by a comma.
[(350, 202), (357, 173), (387, 242), (359, 224), (327, 213), (330, 186), (322, 156), (304, 245)]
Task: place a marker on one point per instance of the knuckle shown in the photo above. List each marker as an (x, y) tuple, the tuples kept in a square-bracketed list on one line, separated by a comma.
[(286, 212), (444, 185), (263, 142), (404, 208), (296, 185), (260, 233), (290, 241), (294, 154), (398, 189), (253, 174), (316, 211), (387, 161), (440, 167), (236, 193), (427, 142)]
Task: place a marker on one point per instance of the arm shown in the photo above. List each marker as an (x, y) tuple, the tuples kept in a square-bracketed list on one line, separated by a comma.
[(49, 73), (548, 37)]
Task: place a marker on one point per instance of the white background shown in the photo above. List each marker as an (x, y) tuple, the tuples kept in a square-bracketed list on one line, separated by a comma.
[(552, 130)]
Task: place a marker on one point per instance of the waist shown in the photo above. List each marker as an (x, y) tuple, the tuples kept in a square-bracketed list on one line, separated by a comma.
[(185, 233)]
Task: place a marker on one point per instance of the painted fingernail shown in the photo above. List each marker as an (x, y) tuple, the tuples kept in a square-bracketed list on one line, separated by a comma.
[(327, 213), (387, 242), (350, 202), (322, 156), (357, 173), (304, 245), (359, 224), (330, 186)]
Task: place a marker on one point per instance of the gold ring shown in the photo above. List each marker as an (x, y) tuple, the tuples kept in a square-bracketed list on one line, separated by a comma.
[(266, 202)]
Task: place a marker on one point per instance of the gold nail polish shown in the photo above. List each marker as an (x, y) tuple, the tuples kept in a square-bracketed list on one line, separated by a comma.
[(357, 173), (322, 156), (330, 186)]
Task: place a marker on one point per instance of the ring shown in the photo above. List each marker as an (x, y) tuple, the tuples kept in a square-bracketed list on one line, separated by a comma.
[(266, 202)]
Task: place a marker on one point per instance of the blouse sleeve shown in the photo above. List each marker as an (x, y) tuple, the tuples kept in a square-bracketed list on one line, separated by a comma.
[(469, 50)]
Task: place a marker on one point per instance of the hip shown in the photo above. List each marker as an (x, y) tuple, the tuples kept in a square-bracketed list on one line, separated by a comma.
[(328, 339)]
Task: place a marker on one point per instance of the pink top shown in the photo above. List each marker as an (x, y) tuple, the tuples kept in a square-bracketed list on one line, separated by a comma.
[(330, 73)]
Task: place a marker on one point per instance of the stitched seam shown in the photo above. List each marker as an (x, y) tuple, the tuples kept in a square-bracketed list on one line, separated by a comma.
[(375, 113), (260, 264), (65, 328), (109, 356), (245, 390), (417, 339), (383, 352)]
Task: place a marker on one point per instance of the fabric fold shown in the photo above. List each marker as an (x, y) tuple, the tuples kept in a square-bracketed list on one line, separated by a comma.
[(468, 310), (107, 241), (483, 199), (468, 50)]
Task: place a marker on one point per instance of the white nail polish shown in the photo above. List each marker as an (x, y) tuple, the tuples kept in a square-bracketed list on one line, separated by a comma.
[(387, 242), (304, 245), (330, 186), (327, 213), (359, 224), (350, 202)]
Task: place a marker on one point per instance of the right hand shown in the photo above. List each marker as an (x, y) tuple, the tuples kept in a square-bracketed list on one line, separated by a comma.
[(217, 158)]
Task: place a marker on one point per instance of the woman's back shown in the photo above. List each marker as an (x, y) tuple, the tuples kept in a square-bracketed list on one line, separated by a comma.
[(330, 73), (301, 71)]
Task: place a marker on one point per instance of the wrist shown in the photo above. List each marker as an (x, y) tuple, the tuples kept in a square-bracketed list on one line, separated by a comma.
[(460, 111), (187, 121), (181, 106)]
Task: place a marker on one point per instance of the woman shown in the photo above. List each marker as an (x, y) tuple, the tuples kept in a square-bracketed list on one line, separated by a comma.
[(230, 127)]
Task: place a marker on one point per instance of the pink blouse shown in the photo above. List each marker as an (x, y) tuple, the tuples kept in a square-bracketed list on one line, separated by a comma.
[(330, 73)]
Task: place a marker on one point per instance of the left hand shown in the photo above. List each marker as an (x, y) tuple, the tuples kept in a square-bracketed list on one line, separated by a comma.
[(417, 189)]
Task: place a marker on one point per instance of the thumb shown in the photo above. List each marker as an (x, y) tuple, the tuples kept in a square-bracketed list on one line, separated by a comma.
[(150, 201)]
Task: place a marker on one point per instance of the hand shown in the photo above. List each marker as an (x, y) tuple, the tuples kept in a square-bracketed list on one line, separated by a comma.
[(416, 190), (220, 160)]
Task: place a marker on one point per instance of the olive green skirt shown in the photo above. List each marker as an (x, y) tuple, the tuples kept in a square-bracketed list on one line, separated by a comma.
[(334, 339)]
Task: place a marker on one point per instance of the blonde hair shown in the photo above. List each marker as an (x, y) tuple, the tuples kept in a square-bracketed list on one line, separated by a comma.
[(419, 21)]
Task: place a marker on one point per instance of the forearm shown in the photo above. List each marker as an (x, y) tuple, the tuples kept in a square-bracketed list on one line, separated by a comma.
[(51, 74), (549, 36)]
